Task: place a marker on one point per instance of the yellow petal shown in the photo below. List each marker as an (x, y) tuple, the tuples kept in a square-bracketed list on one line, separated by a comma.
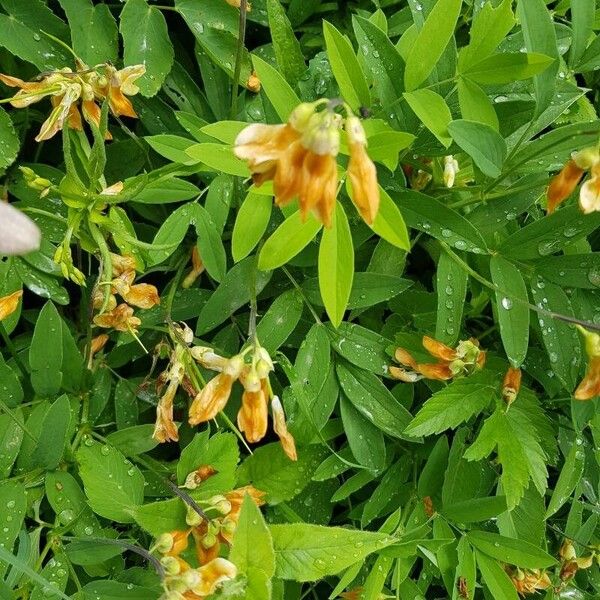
[(9, 304)]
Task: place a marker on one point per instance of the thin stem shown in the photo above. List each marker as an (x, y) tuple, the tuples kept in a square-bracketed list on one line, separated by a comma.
[(238, 59), (542, 311), (303, 296), (13, 351), (106, 269)]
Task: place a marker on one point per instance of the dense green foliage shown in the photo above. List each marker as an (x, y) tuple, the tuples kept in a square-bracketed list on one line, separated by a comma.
[(416, 477)]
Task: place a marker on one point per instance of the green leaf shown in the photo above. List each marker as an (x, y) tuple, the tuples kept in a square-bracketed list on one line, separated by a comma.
[(171, 233), (46, 359), (21, 34), (209, 244), (94, 31), (433, 112), (271, 471), (172, 147), (465, 569), (519, 452), (438, 220), (160, 517), (371, 288), (507, 67), (292, 236), (513, 312), (113, 485), (495, 578), (11, 437), (559, 338), (233, 292), (569, 477), (361, 346), (280, 320), (549, 234), (277, 89), (134, 440), (336, 266), (215, 26), (252, 551), (9, 142), (451, 284), (250, 224), (582, 24), (288, 52), (482, 143), (12, 391), (346, 68), (13, 498), (382, 60), (508, 550), (571, 270), (365, 440), (389, 223), (219, 451), (55, 574), (146, 41), (51, 444), (475, 104), (489, 28), (373, 400), (305, 552), (431, 42), (114, 590), (453, 405), (219, 158), (540, 36), (475, 510)]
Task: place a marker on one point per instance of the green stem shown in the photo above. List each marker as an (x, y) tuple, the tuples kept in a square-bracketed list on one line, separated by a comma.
[(238, 59), (313, 312), (13, 351), (106, 270)]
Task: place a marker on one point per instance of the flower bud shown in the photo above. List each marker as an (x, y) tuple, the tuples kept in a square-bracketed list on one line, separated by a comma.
[(450, 170), (164, 543), (192, 518), (208, 541), (233, 367), (228, 526), (301, 116), (171, 565)]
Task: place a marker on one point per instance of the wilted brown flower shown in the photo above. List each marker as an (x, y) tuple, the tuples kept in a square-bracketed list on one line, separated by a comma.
[(511, 385)]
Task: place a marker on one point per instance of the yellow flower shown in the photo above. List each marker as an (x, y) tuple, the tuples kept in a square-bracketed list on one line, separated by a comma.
[(98, 343), (362, 172), (197, 269), (528, 581), (562, 185), (589, 194), (590, 385), (253, 415), (9, 304)]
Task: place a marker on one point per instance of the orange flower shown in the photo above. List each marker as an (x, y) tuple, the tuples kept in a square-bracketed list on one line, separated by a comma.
[(529, 581), (452, 362), (212, 575), (299, 157), (173, 543), (362, 172), (115, 86), (213, 397), (253, 83), (511, 385), (590, 385), (122, 264), (9, 304), (98, 343), (197, 269), (236, 498), (120, 318), (562, 185), (280, 427), (252, 417)]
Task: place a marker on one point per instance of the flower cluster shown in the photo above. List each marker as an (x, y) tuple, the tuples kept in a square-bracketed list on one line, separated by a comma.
[(66, 88), (590, 385), (209, 532), (300, 158), (457, 362), (528, 581), (141, 295), (252, 417), (563, 184)]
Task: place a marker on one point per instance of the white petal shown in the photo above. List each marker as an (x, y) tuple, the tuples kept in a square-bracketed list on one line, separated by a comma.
[(18, 233), (589, 196)]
